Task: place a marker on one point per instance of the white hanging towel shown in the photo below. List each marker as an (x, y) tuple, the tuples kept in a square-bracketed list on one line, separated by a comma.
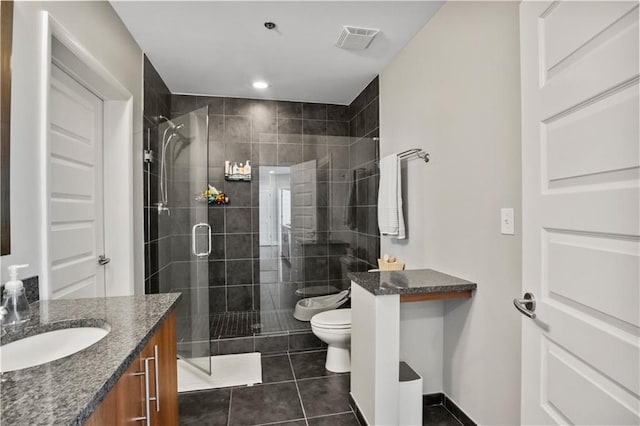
[(390, 215)]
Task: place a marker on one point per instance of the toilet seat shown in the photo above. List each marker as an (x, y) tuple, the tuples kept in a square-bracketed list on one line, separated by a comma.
[(334, 319)]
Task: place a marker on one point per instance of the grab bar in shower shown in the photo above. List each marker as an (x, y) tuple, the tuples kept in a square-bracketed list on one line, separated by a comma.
[(193, 240)]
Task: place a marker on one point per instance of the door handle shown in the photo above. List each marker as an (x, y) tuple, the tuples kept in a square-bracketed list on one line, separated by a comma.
[(156, 360), (526, 305), (193, 240), (103, 260)]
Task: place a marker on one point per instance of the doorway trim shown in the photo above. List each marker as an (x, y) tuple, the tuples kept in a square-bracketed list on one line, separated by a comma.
[(59, 46)]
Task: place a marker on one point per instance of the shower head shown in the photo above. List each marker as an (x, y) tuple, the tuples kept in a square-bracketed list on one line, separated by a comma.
[(172, 125)]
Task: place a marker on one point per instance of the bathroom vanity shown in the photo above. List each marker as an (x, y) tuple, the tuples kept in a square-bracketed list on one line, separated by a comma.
[(375, 332), (107, 383)]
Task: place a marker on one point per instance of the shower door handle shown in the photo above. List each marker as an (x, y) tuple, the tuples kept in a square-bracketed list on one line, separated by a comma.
[(193, 240)]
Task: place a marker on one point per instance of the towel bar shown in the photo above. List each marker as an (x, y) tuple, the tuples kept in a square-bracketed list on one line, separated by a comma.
[(409, 152), (417, 151)]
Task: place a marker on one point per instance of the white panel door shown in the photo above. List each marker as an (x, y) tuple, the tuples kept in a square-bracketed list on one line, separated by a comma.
[(581, 219), (76, 232)]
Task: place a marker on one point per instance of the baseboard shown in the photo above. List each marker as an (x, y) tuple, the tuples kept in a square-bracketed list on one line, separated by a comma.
[(440, 398), (458, 413), (432, 399), (428, 400)]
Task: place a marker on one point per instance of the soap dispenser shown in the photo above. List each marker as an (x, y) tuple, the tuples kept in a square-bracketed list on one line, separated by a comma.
[(14, 299)]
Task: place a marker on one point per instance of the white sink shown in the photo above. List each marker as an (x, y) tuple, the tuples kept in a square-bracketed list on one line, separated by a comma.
[(47, 347)]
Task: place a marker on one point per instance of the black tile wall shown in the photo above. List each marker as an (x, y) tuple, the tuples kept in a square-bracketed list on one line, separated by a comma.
[(244, 276), (157, 102), (281, 133), (364, 153)]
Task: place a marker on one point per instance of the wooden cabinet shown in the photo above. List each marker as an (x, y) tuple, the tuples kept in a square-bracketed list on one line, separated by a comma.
[(165, 407), (127, 404)]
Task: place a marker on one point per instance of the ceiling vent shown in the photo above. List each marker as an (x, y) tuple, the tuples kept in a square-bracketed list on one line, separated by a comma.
[(355, 38)]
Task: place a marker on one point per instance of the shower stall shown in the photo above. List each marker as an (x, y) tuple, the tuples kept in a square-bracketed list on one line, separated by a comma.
[(183, 229), (304, 220)]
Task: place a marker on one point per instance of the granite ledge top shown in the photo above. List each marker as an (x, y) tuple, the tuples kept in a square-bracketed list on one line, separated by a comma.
[(67, 391), (412, 281)]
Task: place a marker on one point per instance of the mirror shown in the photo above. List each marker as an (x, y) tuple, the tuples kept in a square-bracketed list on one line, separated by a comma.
[(6, 32)]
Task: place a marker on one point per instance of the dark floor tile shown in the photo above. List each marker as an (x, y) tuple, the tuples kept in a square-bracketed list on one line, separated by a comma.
[(347, 419), (326, 395), (276, 369), (294, 423), (437, 415), (264, 404), (307, 365), (272, 344), (304, 341), (204, 407)]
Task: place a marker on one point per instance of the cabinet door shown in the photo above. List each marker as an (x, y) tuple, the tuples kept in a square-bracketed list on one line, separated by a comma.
[(167, 373), (125, 402), (129, 391), (106, 413)]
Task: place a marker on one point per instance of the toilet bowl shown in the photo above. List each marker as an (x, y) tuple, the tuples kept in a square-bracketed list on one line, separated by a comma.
[(307, 308), (334, 328)]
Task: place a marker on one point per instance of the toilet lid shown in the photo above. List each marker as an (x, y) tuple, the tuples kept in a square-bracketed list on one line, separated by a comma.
[(336, 318)]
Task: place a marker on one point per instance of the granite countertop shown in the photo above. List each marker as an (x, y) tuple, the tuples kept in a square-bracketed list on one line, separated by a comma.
[(67, 391), (414, 281)]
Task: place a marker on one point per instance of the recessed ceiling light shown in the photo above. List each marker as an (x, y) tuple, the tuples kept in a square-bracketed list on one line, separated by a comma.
[(260, 85)]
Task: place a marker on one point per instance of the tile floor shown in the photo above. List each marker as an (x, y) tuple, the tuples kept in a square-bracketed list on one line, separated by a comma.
[(296, 391), (249, 323)]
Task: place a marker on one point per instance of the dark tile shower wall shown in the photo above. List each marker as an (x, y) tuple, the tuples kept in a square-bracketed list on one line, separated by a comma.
[(245, 292), (364, 152), (157, 101), (273, 133)]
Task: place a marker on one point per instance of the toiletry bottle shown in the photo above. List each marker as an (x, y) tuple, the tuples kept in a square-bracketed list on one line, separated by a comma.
[(234, 169), (227, 167), (247, 168), (14, 299), (241, 169)]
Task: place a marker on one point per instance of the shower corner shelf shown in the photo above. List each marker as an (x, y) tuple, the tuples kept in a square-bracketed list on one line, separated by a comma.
[(238, 178)]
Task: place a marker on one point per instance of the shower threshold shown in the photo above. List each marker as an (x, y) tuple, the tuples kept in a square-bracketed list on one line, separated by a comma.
[(226, 370)]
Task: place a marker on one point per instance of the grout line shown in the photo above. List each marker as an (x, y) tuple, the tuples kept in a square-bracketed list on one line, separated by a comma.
[(307, 351), (274, 383), (322, 377), (332, 414), (304, 413), (278, 423), (229, 412)]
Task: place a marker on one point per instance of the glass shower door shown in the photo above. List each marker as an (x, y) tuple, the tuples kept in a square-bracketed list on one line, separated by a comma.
[(184, 230)]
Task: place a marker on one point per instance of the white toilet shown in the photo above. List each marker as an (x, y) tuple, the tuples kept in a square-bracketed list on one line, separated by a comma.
[(334, 328)]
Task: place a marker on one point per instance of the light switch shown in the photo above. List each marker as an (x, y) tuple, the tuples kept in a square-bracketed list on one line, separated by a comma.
[(507, 226)]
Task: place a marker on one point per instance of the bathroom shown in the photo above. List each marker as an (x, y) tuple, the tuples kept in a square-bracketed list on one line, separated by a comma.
[(248, 199)]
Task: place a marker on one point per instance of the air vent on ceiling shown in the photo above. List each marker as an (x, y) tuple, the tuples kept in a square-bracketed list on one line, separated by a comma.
[(356, 38)]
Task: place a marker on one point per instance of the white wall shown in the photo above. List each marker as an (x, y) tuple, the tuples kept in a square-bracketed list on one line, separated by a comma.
[(98, 29), (454, 91)]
